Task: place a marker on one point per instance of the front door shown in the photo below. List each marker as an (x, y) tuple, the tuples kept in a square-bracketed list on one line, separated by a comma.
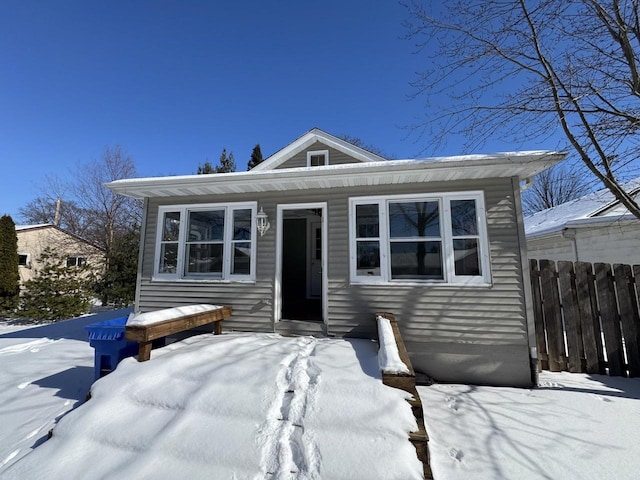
[(301, 253), (314, 280)]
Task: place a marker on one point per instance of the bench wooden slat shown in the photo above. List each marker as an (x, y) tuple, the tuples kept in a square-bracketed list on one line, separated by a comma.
[(145, 334)]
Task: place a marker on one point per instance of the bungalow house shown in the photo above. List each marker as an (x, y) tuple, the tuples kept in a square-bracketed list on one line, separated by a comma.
[(32, 240), (323, 233), (593, 228)]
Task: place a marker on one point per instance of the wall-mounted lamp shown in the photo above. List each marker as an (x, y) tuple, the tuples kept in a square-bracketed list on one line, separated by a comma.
[(262, 221)]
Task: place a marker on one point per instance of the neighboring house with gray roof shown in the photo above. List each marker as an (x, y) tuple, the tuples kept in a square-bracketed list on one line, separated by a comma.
[(593, 228), (439, 242)]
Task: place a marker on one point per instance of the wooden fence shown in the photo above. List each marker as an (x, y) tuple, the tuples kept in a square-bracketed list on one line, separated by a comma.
[(586, 317)]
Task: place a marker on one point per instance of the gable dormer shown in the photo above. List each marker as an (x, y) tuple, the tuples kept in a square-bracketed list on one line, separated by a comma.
[(315, 149)]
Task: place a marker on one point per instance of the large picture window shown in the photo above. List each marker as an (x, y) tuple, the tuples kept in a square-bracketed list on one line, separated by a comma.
[(424, 238), (206, 242)]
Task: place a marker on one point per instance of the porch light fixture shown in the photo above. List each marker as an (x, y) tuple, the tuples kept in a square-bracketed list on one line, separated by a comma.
[(262, 221)]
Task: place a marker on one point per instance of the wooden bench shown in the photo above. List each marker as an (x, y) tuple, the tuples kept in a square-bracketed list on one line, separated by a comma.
[(407, 382), (146, 334)]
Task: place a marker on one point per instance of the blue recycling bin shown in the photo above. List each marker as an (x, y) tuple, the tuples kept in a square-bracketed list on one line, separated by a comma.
[(108, 340)]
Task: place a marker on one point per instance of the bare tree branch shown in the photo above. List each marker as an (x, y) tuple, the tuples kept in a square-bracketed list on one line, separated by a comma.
[(521, 70)]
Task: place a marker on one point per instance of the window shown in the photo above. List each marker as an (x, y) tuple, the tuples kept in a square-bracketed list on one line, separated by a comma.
[(419, 238), (206, 242), (74, 261), (317, 158), (24, 260)]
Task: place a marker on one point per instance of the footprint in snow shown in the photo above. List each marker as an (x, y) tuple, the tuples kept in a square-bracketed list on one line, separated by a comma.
[(550, 385), (456, 454), (600, 397), (452, 403)]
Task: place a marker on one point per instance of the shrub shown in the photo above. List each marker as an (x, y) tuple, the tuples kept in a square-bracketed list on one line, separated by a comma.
[(57, 291)]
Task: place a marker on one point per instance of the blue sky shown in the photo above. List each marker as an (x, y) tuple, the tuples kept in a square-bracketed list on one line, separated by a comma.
[(173, 82)]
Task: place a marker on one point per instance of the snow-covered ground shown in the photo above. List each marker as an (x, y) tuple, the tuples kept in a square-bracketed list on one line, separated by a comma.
[(573, 426), (245, 406), (236, 406), (45, 371)]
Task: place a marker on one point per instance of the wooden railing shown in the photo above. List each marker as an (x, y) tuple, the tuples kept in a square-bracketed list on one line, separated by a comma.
[(407, 382)]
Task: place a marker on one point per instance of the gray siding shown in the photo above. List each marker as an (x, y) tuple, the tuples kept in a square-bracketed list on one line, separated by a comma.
[(474, 334), (336, 157)]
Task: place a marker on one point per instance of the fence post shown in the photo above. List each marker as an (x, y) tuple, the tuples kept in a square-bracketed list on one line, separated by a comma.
[(610, 319), (572, 326), (541, 344), (591, 332), (628, 316), (552, 316)]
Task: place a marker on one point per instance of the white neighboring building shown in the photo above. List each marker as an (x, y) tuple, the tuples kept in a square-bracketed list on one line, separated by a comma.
[(593, 228)]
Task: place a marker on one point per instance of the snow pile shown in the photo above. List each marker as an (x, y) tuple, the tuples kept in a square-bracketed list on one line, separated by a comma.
[(388, 355), (158, 316), (46, 371), (572, 426), (237, 406)]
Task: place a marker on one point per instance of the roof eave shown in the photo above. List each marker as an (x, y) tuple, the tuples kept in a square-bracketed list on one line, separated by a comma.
[(373, 173)]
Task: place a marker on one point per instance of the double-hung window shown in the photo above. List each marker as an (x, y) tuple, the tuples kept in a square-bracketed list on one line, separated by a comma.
[(438, 238), (214, 241)]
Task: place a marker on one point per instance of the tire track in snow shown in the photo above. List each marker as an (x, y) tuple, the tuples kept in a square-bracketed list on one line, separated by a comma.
[(288, 450)]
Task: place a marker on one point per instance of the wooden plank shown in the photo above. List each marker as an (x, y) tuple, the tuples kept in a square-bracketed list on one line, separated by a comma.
[(591, 334), (610, 319), (628, 316), (143, 333), (566, 281), (552, 316), (541, 343)]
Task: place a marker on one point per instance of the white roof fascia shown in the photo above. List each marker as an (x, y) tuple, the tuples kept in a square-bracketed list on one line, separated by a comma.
[(522, 165), (309, 139)]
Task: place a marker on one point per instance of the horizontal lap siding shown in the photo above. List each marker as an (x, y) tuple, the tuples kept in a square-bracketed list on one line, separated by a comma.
[(250, 312), (480, 315), (336, 157)]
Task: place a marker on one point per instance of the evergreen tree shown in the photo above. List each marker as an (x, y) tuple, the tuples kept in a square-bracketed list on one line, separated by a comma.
[(227, 162), (118, 283), (57, 291), (256, 157), (9, 276), (206, 168)]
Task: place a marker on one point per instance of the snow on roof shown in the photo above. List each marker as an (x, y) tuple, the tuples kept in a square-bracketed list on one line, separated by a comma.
[(39, 225), (593, 208)]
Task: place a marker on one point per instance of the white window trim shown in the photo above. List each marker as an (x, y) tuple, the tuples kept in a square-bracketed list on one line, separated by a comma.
[(313, 153), (444, 200), (226, 276)]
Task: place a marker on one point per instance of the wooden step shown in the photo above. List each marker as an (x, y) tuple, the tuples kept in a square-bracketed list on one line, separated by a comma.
[(416, 404)]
